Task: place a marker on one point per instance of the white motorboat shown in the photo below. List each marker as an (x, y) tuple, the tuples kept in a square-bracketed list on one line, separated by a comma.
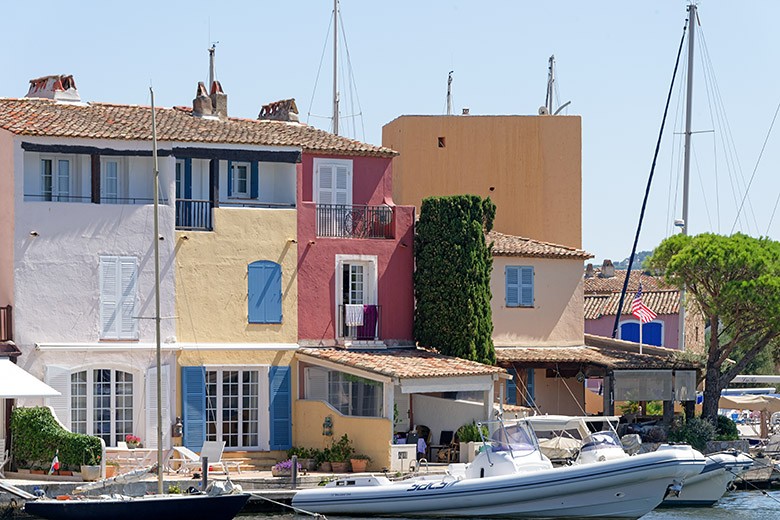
[(511, 477), (707, 487)]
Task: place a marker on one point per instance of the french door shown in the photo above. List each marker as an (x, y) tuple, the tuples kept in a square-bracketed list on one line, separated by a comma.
[(233, 407)]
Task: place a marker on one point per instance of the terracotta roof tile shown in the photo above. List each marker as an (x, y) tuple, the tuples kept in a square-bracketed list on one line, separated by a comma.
[(509, 245), (615, 283), (661, 302), (604, 352), (43, 117), (406, 363)]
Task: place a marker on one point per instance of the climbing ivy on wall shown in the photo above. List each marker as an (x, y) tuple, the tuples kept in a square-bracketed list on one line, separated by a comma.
[(452, 277)]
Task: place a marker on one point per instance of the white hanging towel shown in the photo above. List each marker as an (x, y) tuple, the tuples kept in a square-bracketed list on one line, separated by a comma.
[(353, 315)]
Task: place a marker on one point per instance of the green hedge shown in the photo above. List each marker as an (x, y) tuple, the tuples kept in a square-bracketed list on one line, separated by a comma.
[(37, 437)]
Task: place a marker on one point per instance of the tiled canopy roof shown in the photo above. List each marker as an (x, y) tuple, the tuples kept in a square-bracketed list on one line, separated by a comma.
[(615, 283), (661, 302), (404, 363), (508, 245), (604, 352), (43, 117)]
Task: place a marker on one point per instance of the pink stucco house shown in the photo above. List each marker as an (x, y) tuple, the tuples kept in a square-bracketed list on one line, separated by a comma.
[(355, 259)]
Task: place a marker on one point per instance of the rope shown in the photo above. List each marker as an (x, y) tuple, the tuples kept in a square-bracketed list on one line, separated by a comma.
[(647, 189), (319, 69), (740, 477), (296, 509)]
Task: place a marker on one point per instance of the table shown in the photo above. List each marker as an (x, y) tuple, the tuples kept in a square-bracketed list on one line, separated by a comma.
[(135, 458)]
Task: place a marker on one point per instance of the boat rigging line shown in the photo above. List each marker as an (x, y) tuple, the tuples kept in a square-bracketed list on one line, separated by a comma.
[(649, 183), (296, 509), (740, 477)]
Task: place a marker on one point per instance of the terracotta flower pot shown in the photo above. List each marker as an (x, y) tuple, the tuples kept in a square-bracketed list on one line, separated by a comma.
[(359, 465), (325, 467), (339, 467)]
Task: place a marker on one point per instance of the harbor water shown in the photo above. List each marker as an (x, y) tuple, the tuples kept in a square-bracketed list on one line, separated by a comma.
[(735, 505)]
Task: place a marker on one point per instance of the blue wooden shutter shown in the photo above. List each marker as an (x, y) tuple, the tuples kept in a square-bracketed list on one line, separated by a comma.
[(281, 408), (512, 279), (629, 331), (188, 178), (230, 178), (511, 387), (193, 406), (254, 189), (531, 386), (652, 334), (527, 286), (264, 292)]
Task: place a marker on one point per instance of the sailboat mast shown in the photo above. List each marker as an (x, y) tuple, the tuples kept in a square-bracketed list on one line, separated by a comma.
[(157, 299), (335, 67), (449, 93), (687, 165), (550, 84)]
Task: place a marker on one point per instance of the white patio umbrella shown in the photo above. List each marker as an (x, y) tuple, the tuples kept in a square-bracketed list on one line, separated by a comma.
[(17, 382)]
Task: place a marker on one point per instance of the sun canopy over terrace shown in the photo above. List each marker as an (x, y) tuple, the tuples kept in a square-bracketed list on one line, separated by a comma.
[(16, 382)]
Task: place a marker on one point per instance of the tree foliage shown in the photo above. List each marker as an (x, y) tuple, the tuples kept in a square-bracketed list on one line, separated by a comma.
[(452, 277), (735, 281)]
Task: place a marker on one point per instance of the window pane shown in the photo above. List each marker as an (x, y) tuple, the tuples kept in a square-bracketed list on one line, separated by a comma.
[(63, 177), (123, 405), (211, 405), (179, 176), (111, 188), (230, 411), (46, 179), (249, 409), (78, 402)]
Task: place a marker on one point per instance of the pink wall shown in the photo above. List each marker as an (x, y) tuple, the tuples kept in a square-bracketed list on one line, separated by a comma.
[(373, 179), (6, 218), (603, 327), (317, 262)]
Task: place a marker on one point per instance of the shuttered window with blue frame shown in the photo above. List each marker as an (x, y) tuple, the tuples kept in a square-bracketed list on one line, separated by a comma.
[(519, 280), (530, 385), (193, 405), (511, 387), (264, 288), (280, 408), (652, 333)]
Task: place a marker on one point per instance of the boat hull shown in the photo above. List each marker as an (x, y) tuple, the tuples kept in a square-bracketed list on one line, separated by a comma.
[(712, 483), (626, 488), (152, 507)]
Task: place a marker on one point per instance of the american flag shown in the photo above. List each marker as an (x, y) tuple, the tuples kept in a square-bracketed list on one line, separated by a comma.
[(640, 310)]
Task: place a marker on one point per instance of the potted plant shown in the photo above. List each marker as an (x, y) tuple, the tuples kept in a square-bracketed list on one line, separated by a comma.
[(469, 437), (359, 462), (132, 441), (90, 468), (340, 453), (323, 460), (306, 457)]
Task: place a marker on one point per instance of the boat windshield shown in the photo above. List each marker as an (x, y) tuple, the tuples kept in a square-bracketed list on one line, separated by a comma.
[(600, 441), (514, 436)]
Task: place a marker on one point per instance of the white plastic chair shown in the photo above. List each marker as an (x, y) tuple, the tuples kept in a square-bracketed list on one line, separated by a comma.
[(186, 459), (213, 450)]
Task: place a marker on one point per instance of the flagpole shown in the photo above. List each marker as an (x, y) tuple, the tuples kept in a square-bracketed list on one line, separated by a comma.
[(640, 336)]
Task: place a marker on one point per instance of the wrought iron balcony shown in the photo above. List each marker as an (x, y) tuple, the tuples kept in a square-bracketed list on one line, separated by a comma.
[(193, 214), (363, 325), (349, 221)]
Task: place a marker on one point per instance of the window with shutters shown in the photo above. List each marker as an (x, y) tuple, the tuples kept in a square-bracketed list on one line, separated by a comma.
[(519, 281), (118, 296), (102, 403), (652, 332), (351, 395), (240, 180), (233, 407), (333, 181), (264, 292)]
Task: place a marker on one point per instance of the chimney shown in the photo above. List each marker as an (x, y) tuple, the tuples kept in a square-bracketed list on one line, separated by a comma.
[(607, 269), (201, 105), (284, 110), (59, 88), (218, 99), (589, 271)]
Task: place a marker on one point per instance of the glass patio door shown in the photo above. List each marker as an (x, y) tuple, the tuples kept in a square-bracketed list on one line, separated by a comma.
[(233, 407)]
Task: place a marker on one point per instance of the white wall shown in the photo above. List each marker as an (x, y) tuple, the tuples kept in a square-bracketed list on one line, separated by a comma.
[(56, 273), (444, 414)]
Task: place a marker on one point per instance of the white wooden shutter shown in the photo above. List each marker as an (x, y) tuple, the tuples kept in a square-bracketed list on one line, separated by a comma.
[(151, 407), (109, 284), (128, 324), (316, 383), (325, 184), (342, 192), (59, 379)]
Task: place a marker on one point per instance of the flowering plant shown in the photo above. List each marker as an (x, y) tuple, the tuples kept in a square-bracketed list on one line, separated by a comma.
[(285, 466), (132, 440)]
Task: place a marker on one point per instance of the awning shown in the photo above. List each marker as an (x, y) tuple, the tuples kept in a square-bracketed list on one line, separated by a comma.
[(17, 382), (750, 402)]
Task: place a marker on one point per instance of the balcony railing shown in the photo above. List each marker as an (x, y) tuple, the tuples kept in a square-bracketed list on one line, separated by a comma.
[(343, 221), (193, 214), (6, 323), (361, 324), (88, 199)]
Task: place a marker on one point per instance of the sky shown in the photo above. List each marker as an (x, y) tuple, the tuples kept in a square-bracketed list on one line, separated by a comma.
[(614, 62)]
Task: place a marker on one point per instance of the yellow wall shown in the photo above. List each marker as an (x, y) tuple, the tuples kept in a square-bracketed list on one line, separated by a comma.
[(211, 276), (555, 320), (369, 436), (533, 164)]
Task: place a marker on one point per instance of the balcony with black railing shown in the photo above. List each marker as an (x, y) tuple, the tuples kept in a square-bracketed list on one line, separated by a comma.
[(354, 221), (194, 215), (360, 322)]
